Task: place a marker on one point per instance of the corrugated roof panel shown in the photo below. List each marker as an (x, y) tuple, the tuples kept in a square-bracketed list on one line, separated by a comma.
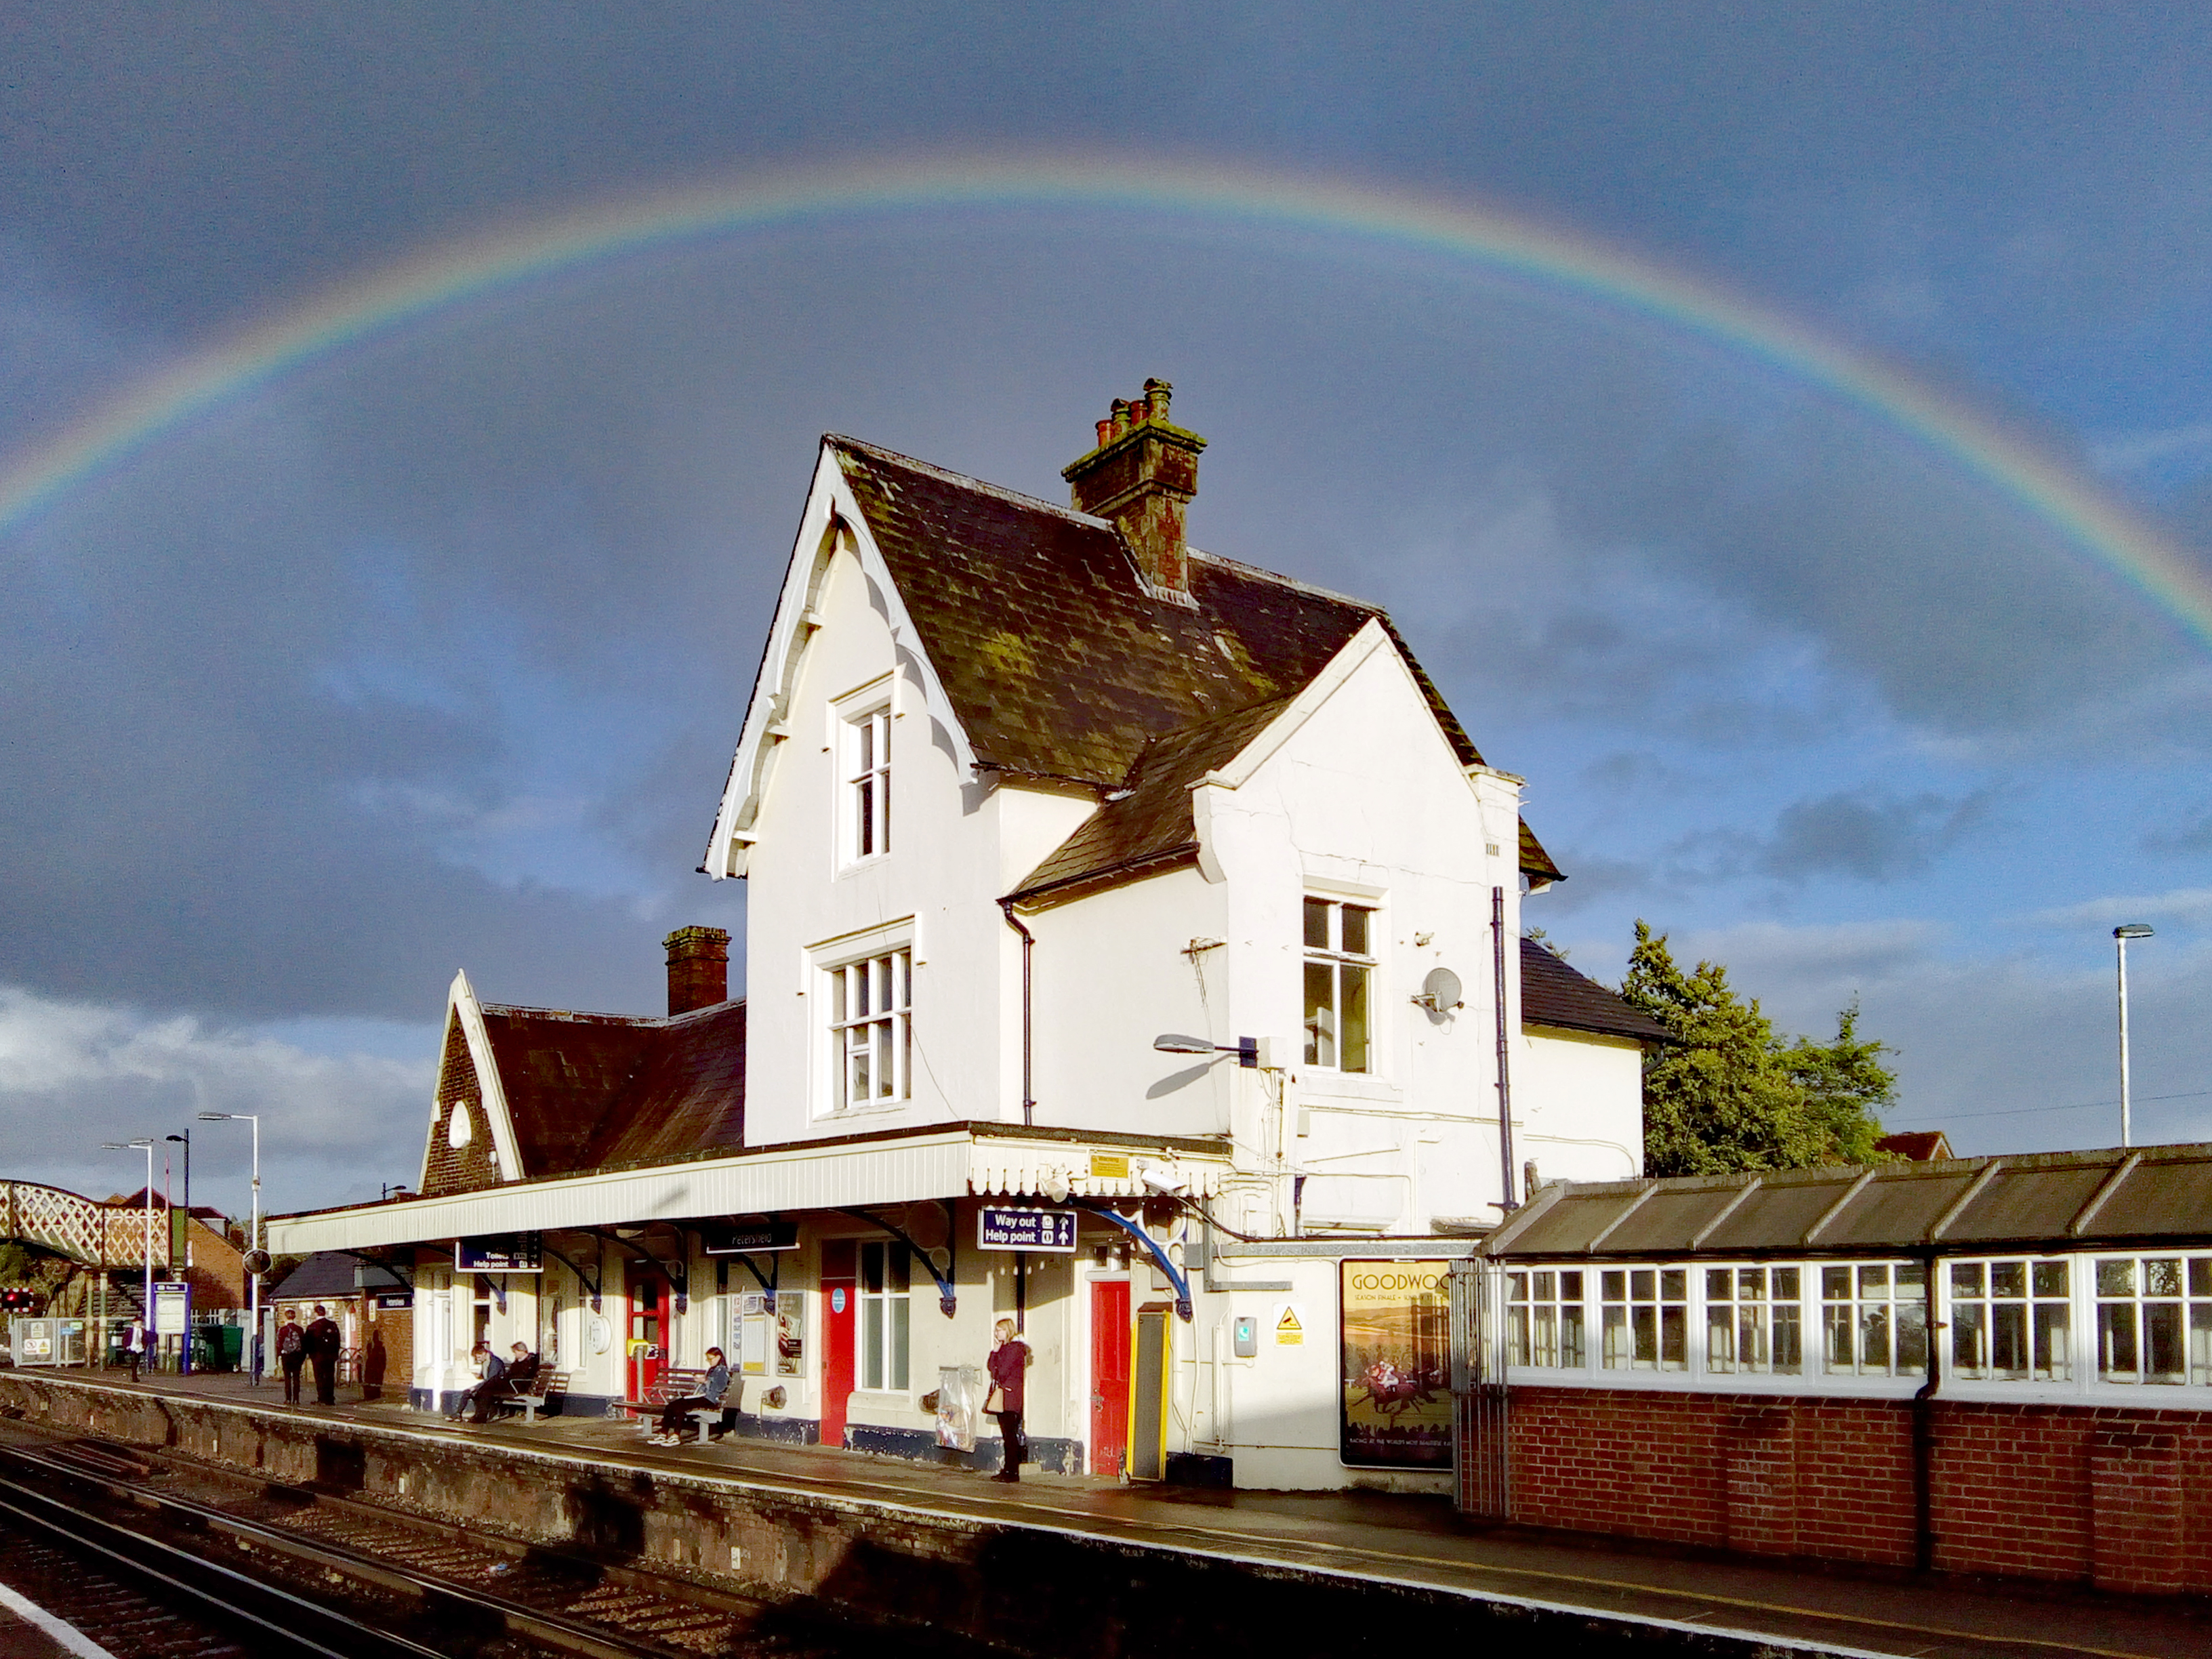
[(2161, 1197), (1568, 1226), (2030, 1203), (1775, 1216), (1672, 1218), (1899, 1206)]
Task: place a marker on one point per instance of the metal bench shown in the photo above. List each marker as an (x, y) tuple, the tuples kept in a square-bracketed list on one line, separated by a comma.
[(534, 1395), (676, 1384)]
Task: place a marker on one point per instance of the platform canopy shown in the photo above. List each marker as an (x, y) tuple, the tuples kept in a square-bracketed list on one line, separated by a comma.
[(898, 1167)]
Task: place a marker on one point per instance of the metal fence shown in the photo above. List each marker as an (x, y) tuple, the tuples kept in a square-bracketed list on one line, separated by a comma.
[(1481, 1419)]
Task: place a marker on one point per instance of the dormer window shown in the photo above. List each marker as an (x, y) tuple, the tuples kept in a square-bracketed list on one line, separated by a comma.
[(864, 734)]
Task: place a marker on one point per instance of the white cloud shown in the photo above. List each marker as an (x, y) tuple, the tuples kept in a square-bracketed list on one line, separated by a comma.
[(2181, 904), (72, 1075), (2133, 450)]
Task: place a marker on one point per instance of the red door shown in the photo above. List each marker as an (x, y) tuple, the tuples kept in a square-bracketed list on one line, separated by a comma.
[(648, 1347), (839, 1291), (1109, 1377)]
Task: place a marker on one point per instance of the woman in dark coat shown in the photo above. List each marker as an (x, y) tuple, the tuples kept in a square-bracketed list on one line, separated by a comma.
[(1009, 1365)]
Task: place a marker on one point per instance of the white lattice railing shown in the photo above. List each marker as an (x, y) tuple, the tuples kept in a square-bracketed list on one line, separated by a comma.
[(98, 1234)]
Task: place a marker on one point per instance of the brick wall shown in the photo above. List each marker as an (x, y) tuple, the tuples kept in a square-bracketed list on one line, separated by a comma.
[(464, 1168), (2117, 1498)]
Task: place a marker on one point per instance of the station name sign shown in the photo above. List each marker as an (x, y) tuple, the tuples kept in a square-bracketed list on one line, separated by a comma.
[(746, 1237), (505, 1253), (1026, 1229)]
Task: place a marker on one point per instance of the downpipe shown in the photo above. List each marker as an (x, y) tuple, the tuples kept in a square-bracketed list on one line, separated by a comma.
[(1029, 949)]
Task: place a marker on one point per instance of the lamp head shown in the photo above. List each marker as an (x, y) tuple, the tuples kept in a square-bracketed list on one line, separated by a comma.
[(217, 1117), (2133, 930), (1171, 1043), (186, 1136)]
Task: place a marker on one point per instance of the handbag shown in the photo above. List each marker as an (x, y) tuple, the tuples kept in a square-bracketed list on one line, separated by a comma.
[(995, 1401)]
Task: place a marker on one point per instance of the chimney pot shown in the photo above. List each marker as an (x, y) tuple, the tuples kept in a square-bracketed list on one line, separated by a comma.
[(698, 968), (1142, 475)]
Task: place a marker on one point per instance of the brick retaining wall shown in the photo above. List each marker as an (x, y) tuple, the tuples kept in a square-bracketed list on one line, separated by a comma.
[(2117, 1498)]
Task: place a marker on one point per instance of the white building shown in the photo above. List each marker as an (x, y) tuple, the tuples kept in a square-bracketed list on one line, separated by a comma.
[(1021, 790)]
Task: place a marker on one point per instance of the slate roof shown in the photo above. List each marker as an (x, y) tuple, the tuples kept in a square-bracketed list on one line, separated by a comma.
[(594, 1091), (327, 1276), (1552, 994), (1918, 1144), (2155, 1196), (1061, 664)]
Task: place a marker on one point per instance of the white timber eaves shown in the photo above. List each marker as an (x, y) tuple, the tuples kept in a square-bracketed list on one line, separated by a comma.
[(832, 517), (948, 1164), (492, 1093), (1351, 656)]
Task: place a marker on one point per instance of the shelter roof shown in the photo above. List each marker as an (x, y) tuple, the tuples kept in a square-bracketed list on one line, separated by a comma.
[(325, 1275), (2152, 1196)]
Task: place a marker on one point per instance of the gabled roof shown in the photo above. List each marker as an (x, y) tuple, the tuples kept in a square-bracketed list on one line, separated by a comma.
[(1060, 663), (2045, 1201), (1916, 1146), (326, 1276), (589, 1091), (1552, 994)]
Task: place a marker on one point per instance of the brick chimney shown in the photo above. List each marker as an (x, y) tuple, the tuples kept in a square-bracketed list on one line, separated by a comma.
[(698, 968), (1142, 475)]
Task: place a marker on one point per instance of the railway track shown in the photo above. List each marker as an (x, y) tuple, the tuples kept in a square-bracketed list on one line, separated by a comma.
[(151, 1554)]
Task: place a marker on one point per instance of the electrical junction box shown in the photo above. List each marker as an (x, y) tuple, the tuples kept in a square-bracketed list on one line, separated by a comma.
[(1245, 1336)]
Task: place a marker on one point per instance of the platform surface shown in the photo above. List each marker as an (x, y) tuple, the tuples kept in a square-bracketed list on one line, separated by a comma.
[(1374, 1537)]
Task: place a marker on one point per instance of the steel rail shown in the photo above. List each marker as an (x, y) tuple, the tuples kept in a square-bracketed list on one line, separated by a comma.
[(232, 1597), (552, 1630)]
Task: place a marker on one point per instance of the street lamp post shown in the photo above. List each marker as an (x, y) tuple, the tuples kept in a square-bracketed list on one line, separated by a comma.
[(145, 1144), (184, 1363), (252, 1245), (2121, 935)]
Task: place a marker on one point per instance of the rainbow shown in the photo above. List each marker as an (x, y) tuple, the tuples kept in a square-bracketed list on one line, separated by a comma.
[(359, 311)]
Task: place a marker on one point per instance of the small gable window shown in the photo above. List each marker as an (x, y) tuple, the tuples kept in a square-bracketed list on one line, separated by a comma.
[(865, 736), (1339, 971), (460, 1128)]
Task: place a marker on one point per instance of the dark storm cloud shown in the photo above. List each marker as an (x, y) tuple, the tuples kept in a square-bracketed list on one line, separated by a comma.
[(1871, 834)]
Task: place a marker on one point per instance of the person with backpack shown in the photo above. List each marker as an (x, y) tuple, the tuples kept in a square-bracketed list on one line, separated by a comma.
[(324, 1340), (291, 1353)]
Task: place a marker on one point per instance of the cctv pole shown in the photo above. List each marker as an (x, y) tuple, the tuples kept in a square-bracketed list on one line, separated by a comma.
[(253, 1279)]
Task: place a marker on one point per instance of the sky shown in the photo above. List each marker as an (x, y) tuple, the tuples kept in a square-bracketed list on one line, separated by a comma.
[(427, 648)]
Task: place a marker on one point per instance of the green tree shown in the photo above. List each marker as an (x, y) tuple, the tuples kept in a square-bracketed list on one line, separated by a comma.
[(1728, 1094)]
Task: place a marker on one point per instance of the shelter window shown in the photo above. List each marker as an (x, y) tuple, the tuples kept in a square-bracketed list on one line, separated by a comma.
[(2154, 1319), (1339, 966), (867, 738), (2009, 1321), (1753, 1321), (1646, 1318), (871, 1030), (884, 1309), (1873, 1316), (1543, 1319)]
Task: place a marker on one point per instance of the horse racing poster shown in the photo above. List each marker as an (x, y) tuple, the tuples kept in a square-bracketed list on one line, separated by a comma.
[(1396, 1334)]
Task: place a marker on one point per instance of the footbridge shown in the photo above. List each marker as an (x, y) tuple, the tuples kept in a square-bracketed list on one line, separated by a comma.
[(81, 1229)]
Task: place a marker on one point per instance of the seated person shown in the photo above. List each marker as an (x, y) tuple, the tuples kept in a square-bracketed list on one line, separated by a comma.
[(488, 1366), (675, 1413), (511, 1380)]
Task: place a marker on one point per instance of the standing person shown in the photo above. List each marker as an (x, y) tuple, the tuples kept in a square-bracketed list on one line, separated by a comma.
[(675, 1412), (1008, 1366), (324, 1341), (291, 1353), (134, 1344)]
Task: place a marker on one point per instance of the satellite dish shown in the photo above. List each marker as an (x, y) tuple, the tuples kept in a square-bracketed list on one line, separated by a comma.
[(1440, 991)]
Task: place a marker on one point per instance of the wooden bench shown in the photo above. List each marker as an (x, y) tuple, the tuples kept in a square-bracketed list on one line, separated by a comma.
[(534, 1395), (676, 1384)]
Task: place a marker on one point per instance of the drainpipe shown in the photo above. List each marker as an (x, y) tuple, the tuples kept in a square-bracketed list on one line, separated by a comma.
[(1029, 947), (1924, 1436), (1504, 1053)]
